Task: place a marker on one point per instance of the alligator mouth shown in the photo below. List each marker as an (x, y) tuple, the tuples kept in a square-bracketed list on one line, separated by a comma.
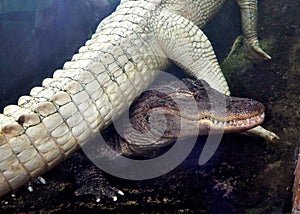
[(231, 122), (195, 108), (236, 124), (240, 114)]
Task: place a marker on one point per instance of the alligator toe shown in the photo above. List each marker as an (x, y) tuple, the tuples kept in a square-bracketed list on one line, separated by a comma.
[(93, 182)]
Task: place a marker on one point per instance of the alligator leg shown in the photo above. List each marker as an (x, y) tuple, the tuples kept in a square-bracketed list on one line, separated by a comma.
[(188, 46), (249, 26), (185, 44)]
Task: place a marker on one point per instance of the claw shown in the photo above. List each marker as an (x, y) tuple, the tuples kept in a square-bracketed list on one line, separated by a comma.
[(264, 133), (235, 46), (93, 182), (120, 192), (254, 52), (41, 180), (29, 187), (38, 180), (262, 53)]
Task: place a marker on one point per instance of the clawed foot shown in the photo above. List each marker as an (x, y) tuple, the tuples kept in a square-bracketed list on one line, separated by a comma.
[(235, 46), (37, 180), (264, 133), (99, 192), (93, 182), (253, 51)]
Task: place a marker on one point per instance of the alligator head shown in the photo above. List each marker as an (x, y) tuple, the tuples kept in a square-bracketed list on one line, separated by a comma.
[(172, 110)]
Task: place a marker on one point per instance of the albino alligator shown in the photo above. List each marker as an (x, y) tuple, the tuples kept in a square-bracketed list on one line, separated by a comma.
[(105, 76)]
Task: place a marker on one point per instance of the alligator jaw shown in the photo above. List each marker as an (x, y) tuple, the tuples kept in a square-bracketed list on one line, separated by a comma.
[(218, 111), (228, 122), (241, 114), (235, 125)]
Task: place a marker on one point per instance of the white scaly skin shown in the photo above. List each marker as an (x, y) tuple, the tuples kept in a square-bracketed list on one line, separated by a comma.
[(101, 81)]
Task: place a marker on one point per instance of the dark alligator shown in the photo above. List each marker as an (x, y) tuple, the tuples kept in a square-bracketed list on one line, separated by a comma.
[(158, 106), (159, 117)]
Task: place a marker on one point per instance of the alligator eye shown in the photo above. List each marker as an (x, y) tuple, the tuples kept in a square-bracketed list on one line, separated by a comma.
[(147, 118)]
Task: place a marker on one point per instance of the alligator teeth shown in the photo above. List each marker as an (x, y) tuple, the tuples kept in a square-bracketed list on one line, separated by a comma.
[(234, 123), (220, 124), (245, 122)]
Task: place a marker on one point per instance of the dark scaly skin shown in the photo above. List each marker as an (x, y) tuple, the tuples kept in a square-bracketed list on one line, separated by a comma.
[(90, 180), (238, 110)]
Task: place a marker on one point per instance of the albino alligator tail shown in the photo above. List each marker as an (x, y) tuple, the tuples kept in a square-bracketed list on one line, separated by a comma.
[(101, 81)]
